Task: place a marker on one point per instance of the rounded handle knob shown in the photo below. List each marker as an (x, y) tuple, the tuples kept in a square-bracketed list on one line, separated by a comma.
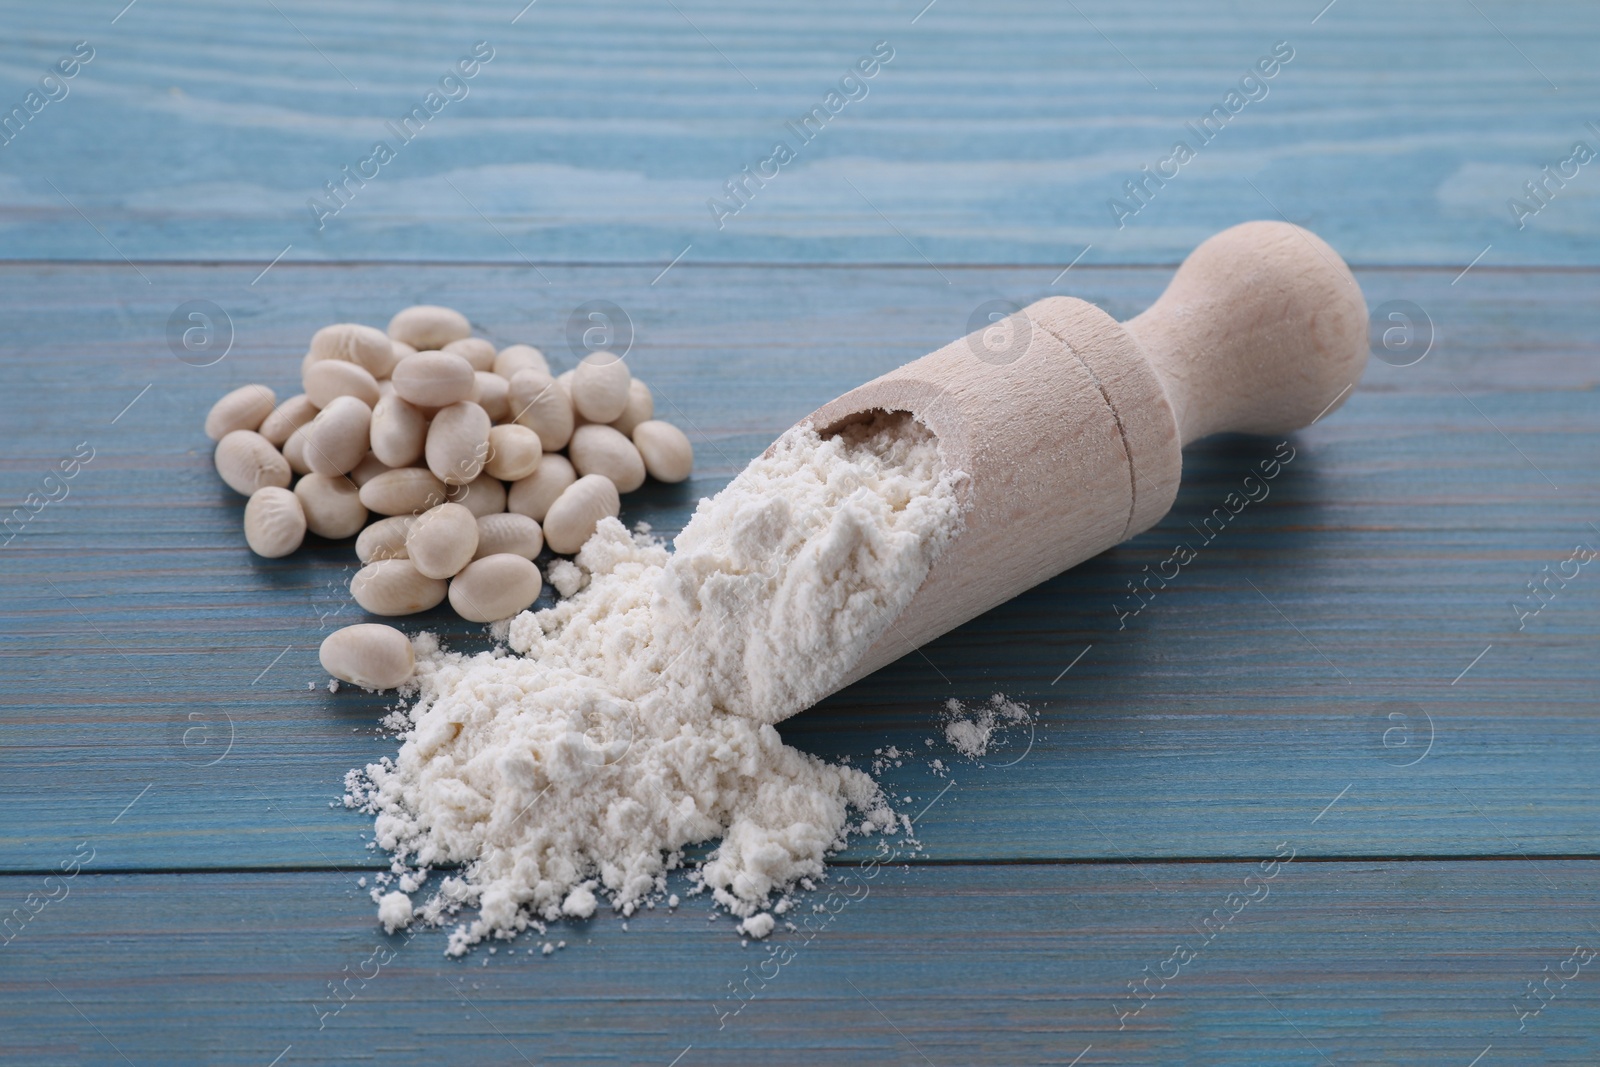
[(1262, 330)]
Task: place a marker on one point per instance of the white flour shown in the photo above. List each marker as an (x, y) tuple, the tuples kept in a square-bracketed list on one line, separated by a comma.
[(635, 722), (970, 730)]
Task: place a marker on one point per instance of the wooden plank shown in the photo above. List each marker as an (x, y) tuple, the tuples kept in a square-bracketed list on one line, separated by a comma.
[(1384, 562), (1376, 962), (600, 131)]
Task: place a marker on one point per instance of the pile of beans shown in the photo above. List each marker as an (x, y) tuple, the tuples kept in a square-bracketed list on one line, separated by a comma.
[(458, 447)]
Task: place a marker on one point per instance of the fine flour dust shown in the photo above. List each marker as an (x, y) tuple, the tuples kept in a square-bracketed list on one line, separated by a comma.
[(634, 717)]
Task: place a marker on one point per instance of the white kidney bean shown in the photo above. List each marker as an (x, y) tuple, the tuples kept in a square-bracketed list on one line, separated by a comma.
[(367, 470), (598, 449), (493, 395), (434, 379), (533, 495), (294, 451), (572, 518), (351, 342), (641, 406), (384, 539), (442, 540), (542, 404), (246, 408), (333, 378), (600, 387), (368, 654), (403, 491), (247, 462), (475, 350), (514, 452), (513, 358), (398, 432), (337, 440), (495, 587), (428, 326), (396, 587), (274, 524), (667, 453), (508, 532), (332, 505), (481, 496), (458, 443), (286, 418)]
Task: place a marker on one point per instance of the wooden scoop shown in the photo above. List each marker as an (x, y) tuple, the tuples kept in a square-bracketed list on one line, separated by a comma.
[(1071, 425)]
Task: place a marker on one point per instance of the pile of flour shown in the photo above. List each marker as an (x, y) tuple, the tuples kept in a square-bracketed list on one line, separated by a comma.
[(633, 718)]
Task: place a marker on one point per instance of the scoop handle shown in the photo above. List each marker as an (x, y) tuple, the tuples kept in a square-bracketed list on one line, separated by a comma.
[(1262, 330)]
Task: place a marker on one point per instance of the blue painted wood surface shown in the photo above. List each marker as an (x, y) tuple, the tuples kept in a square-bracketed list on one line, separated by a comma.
[(998, 133), (1341, 669), (1376, 962)]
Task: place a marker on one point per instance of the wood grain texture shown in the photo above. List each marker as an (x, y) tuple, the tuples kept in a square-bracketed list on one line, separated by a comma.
[(1383, 562), (1338, 670), (998, 133), (1377, 962)]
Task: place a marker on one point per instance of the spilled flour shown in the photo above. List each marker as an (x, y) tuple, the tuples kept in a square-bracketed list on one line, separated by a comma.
[(971, 730), (632, 719)]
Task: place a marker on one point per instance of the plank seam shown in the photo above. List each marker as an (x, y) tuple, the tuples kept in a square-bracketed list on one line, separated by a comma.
[(1113, 861), (733, 264)]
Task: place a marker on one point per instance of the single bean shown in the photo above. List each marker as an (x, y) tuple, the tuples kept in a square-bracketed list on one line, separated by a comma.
[(367, 470), (667, 453), (458, 443), (368, 654), (600, 387), (442, 540), (641, 406), (598, 449), (332, 505), (428, 326), (513, 358), (508, 532), (475, 350), (338, 439), (247, 462), (396, 587), (403, 491), (288, 417), (493, 395), (533, 495), (495, 587), (350, 342), (384, 539), (578, 510), (542, 404), (481, 496), (514, 452), (399, 430), (334, 378), (274, 524), (294, 451), (246, 408), (434, 379)]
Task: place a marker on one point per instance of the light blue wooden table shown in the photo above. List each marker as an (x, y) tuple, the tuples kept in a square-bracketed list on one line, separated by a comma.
[(1343, 674)]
